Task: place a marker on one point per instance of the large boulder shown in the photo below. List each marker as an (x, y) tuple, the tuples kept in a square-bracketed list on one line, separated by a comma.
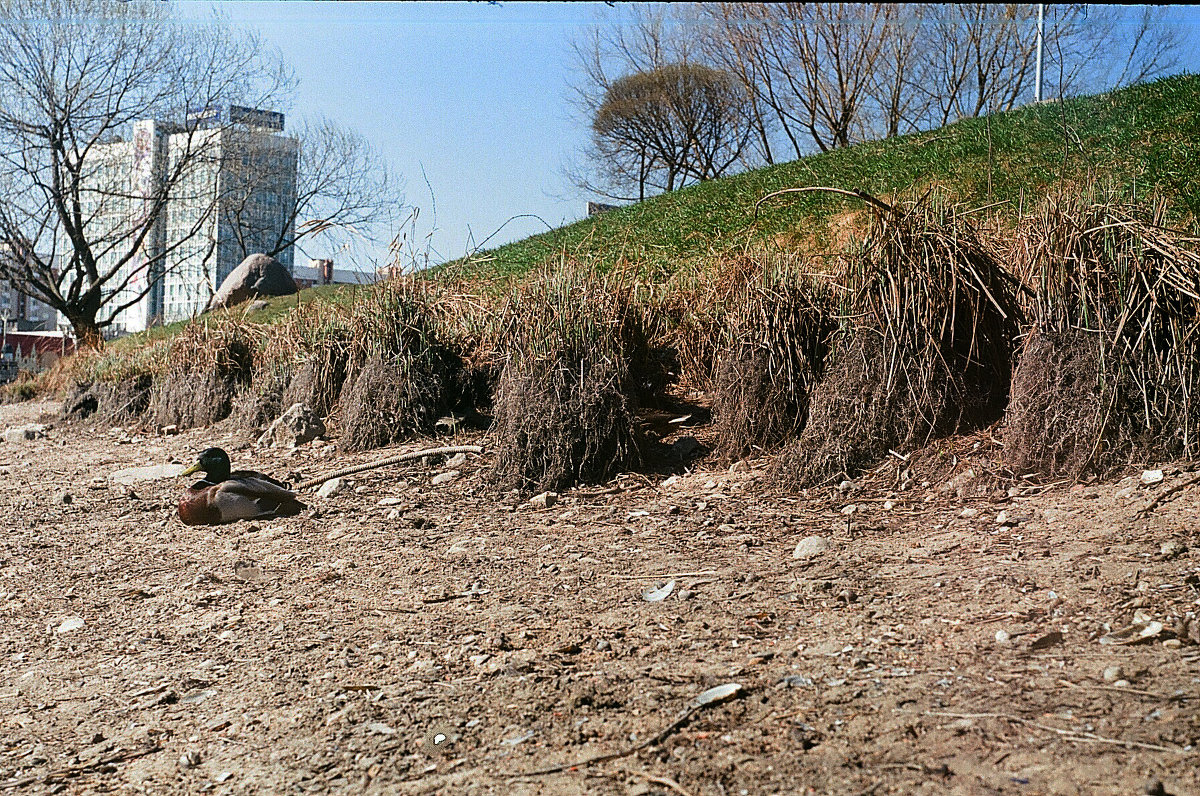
[(257, 275)]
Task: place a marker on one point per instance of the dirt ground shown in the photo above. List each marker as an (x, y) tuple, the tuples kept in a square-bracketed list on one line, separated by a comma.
[(923, 652)]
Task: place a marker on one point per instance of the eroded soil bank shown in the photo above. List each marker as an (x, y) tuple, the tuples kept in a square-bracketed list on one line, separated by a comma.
[(923, 651)]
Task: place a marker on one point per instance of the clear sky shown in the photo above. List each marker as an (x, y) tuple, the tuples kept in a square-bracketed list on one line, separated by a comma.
[(473, 94)]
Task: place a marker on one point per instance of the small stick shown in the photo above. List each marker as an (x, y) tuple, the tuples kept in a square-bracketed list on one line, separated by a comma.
[(604, 758), (1145, 510), (866, 197), (1086, 737), (664, 781), (403, 457), (74, 771)]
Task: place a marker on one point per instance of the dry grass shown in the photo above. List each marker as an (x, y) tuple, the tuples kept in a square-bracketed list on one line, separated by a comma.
[(317, 349), (774, 342), (207, 363), (929, 322), (577, 363), (1111, 370), (404, 370)]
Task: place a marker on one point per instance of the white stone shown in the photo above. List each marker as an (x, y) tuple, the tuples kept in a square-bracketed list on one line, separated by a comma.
[(544, 500), (811, 546), (293, 428), (70, 625), (330, 488), (154, 472)]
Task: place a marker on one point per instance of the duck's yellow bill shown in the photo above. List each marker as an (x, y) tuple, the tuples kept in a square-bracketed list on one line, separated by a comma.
[(195, 468)]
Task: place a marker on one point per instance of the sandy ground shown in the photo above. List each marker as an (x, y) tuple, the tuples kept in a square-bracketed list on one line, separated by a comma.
[(924, 651)]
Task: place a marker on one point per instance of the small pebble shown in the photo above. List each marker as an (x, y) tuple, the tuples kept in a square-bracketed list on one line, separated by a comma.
[(1172, 549), (1113, 673)]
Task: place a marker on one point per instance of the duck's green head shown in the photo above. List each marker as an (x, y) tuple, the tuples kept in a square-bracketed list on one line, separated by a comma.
[(213, 462)]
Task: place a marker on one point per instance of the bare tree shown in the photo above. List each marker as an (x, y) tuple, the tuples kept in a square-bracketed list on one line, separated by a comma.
[(829, 74), (731, 37), (1096, 48), (818, 73), (76, 77), (343, 190), (671, 125)]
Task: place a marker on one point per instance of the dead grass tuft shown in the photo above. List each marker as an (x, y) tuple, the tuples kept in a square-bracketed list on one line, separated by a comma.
[(930, 317), (1110, 373), (404, 370), (206, 365), (577, 363), (774, 342)]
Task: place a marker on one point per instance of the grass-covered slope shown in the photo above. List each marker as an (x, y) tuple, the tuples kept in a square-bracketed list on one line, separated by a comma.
[(1147, 137)]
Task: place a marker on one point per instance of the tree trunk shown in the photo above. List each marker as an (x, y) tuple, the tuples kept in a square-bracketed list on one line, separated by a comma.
[(87, 332)]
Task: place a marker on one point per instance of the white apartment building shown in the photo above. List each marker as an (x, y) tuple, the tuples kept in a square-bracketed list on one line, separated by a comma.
[(237, 199)]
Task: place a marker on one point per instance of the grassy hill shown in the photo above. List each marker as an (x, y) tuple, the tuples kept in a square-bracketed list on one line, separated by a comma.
[(1146, 137)]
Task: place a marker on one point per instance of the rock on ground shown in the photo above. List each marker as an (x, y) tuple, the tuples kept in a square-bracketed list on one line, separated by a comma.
[(296, 426)]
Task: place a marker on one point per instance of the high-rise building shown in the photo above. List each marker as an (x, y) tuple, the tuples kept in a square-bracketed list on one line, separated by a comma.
[(20, 312), (236, 198)]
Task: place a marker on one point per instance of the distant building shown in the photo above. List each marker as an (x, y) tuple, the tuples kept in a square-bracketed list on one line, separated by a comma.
[(24, 314), (248, 172), (20, 312), (322, 272)]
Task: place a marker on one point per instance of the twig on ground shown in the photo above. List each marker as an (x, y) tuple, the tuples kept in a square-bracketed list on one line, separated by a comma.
[(707, 699), (74, 771), (403, 457), (863, 195), (664, 576), (664, 781), (1070, 735), (1145, 510)]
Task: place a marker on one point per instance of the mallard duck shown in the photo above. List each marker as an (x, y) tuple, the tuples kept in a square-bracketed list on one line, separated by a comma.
[(223, 496)]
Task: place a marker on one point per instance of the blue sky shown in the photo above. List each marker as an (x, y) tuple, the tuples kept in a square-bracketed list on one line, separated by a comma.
[(474, 94)]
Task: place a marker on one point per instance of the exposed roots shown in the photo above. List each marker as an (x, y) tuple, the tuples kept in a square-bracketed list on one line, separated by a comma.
[(1057, 410), (931, 317), (207, 363)]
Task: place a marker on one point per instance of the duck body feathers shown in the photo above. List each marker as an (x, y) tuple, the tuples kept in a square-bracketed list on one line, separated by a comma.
[(244, 495)]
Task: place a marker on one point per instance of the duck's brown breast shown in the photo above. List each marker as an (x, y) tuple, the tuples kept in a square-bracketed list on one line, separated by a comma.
[(195, 508)]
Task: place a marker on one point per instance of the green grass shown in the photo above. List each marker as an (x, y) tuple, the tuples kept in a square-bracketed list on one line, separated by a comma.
[(1146, 137)]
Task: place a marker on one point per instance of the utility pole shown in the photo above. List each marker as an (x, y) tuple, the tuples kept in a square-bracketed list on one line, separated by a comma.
[(1037, 75)]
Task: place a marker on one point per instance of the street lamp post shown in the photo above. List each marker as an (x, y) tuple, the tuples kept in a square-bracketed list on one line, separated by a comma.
[(1037, 74)]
